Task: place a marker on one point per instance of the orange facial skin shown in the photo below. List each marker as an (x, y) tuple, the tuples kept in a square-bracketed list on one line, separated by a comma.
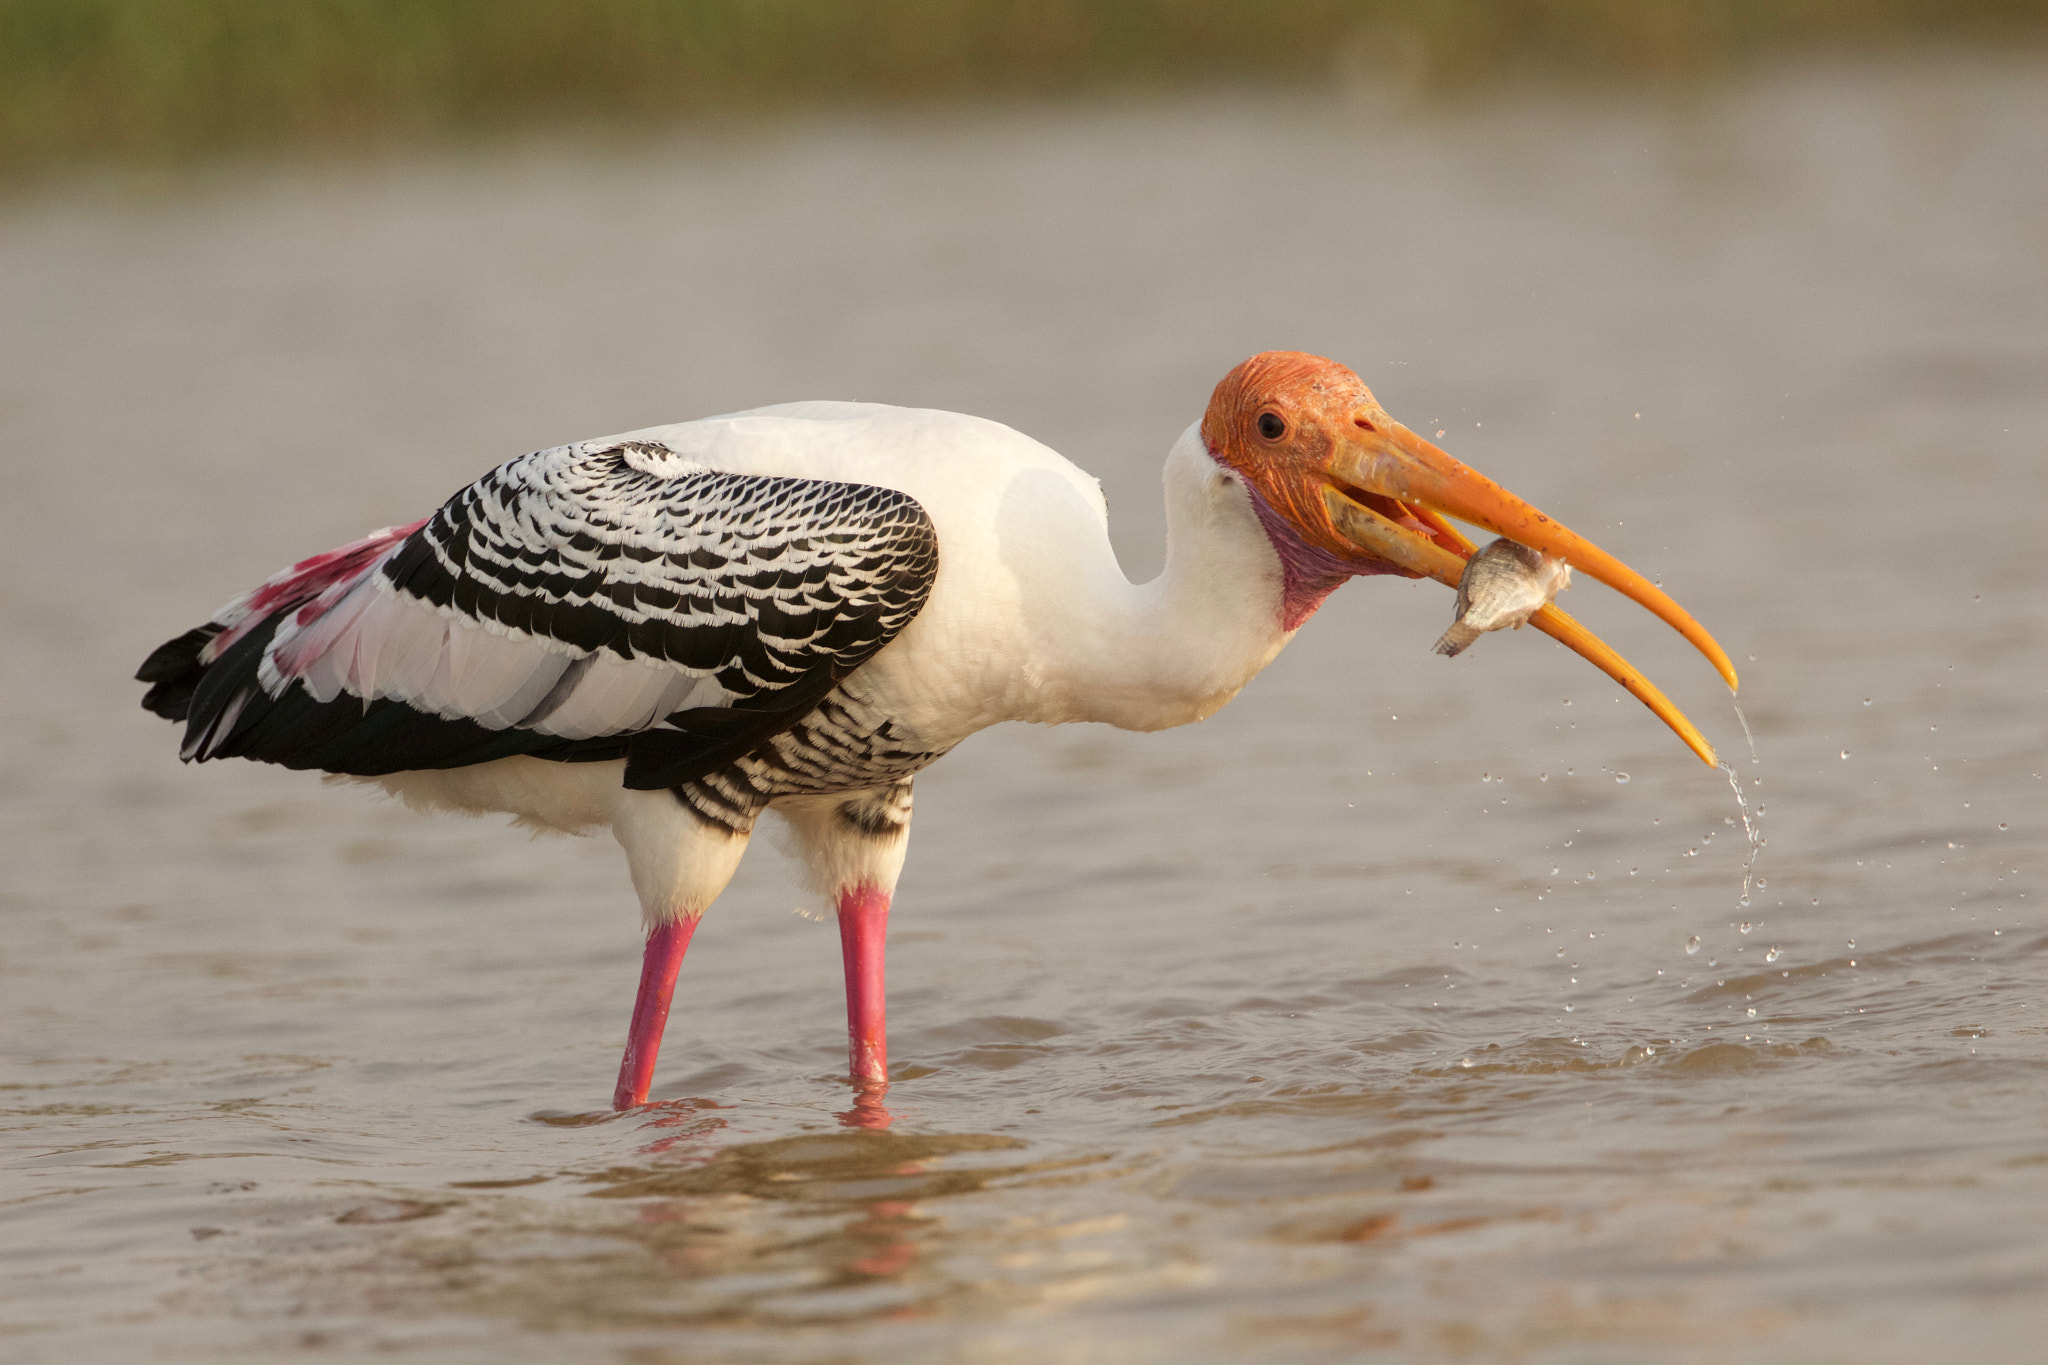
[(1308, 436)]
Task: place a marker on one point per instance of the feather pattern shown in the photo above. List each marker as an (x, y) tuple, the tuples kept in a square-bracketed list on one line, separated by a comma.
[(601, 600)]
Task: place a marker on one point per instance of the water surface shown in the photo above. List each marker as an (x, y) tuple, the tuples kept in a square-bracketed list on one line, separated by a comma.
[(1357, 1022)]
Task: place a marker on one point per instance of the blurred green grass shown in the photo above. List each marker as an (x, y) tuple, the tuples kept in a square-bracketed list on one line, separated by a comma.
[(159, 80)]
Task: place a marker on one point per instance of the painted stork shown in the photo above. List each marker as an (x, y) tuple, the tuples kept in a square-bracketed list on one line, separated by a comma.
[(800, 607)]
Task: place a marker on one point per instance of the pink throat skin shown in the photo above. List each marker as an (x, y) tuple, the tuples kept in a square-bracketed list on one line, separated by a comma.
[(1308, 573)]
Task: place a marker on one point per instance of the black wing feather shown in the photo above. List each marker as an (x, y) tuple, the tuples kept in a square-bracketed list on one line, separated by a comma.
[(776, 588)]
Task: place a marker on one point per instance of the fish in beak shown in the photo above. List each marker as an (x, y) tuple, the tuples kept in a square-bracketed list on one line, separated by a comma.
[(1318, 450)]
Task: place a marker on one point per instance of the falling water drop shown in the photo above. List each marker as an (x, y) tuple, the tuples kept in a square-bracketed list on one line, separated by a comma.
[(1752, 828), (1692, 945), (1747, 737)]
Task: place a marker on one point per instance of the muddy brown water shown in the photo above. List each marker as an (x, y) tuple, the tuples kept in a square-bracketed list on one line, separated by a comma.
[(1355, 1023)]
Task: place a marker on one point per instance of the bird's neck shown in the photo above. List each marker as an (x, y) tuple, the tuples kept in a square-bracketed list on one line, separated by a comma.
[(1153, 655)]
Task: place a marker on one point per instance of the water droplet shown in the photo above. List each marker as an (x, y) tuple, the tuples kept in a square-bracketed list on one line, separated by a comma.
[(1852, 945), (1866, 701), (1845, 753), (1567, 1009), (1752, 1011), (2001, 824), (1465, 1061), (1568, 772), (1692, 945), (1772, 955), (1591, 878), (1621, 779), (1744, 927), (1486, 777), (1560, 952), (1632, 872)]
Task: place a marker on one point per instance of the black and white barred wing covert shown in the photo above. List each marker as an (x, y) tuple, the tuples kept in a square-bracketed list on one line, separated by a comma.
[(594, 601)]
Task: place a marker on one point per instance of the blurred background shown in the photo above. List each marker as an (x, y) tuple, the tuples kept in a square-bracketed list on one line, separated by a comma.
[(156, 80), (1406, 1010)]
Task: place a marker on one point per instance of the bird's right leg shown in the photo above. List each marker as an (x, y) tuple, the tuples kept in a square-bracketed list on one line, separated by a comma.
[(680, 858), (658, 966)]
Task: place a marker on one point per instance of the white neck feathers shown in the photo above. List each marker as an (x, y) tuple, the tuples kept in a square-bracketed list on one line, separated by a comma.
[(1164, 653)]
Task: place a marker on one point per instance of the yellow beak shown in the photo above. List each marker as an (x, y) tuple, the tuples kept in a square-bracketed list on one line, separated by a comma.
[(1396, 463)]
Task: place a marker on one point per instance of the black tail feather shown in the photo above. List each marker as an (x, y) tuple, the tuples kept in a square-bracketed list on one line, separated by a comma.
[(228, 714), (174, 670)]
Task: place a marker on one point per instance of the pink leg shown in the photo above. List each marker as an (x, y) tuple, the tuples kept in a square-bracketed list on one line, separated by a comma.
[(665, 949), (863, 940)]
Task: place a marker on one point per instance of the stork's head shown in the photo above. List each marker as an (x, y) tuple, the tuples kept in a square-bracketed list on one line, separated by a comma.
[(1345, 489)]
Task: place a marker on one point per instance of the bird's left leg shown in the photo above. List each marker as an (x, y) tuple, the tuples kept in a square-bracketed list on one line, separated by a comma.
[(853, 846), (680, 860)]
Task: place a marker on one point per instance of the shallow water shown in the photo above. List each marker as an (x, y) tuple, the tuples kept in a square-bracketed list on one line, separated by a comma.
[(1357, 1022)]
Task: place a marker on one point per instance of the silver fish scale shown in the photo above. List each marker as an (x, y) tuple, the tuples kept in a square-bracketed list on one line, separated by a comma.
[(1503, 585)]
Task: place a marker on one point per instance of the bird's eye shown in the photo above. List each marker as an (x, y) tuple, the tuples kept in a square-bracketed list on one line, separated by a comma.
[(1271, 427)]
